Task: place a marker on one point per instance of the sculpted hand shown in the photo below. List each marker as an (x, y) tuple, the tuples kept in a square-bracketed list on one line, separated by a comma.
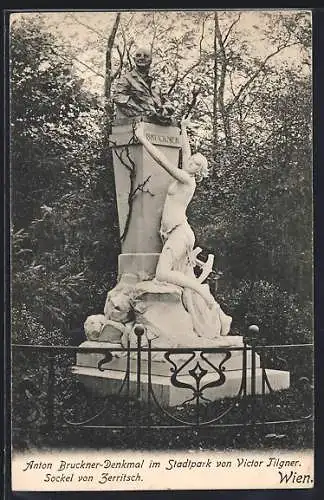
[(139, 131), (185, 122)]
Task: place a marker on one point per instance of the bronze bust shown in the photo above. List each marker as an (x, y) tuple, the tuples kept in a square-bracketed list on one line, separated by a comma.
[(137, 94)]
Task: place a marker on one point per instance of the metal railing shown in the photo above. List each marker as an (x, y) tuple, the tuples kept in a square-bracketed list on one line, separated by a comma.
[(49, 392)]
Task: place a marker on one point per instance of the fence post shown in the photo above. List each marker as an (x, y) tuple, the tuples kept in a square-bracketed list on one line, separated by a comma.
[(253, 330), (128, 370), (149, 376), (50, 391), (244, 367), (139, 331)]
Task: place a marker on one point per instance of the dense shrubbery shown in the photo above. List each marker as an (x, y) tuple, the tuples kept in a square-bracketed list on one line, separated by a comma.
[(282, 318), (64, 222)]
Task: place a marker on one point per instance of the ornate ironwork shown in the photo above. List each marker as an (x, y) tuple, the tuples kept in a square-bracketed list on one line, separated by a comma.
[(106, 405), (197, 374), (108, 357)]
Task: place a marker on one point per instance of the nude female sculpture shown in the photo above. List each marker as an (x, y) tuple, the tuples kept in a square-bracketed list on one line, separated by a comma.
[(177, 235), (178, 256)]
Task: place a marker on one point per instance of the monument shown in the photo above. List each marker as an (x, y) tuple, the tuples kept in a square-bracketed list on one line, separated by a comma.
[(161, 285)]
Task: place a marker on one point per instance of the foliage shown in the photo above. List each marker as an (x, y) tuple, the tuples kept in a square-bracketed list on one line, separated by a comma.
[(63, 196), (258, 205), (281, 317)]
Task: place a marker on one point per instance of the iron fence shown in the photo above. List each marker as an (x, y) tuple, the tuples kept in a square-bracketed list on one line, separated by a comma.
[(51, 391)]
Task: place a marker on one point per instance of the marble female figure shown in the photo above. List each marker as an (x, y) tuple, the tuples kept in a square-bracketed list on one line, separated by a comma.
[(178, 257), (176, 234)]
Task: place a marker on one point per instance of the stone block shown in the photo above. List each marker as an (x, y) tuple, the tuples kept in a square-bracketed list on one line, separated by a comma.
[(91, 360), (136, 171), (141, 264), (108, 382)]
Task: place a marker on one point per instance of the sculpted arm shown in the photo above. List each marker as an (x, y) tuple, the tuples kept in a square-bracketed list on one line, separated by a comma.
[(160, 158), (186, 150)]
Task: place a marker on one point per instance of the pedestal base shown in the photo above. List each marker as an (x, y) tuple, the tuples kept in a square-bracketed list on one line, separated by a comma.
[(109, 382), (141, 264), (91, 360), (141, 184)]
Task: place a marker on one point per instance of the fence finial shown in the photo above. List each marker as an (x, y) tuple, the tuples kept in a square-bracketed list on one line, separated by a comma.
[(254, 329), (139, 329)]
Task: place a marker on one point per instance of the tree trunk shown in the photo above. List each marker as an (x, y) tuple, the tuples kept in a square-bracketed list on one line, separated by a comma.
[(215, 96), (221, 88), (108, 76)]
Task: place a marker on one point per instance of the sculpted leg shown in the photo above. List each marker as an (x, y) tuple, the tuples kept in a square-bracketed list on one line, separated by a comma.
[(164, 272)]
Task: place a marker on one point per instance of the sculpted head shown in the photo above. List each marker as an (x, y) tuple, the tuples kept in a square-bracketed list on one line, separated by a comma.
[(143, 58), (198, 166)]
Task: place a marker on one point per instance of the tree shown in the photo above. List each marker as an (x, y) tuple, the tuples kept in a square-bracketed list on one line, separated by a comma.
[(63, 194)]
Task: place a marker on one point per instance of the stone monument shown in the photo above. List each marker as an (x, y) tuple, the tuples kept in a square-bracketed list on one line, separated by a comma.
[(160, 276)]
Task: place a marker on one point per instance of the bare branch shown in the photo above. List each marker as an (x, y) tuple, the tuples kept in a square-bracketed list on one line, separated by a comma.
[(221, 89), (110, 44), (230, 73), (230, 28), (129, 58), (195, 92), (261, 68), (127, 49), (154, 31), (140, 187), (128, 22), (193, 66), (88, 27), (73, 58), (88, 67), (174, 83), (202, 36), (160, 35), (206, 106), (132, 177), (121, 63)]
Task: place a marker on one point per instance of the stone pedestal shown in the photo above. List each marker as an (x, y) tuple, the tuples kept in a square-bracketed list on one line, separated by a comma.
[(108, 382), (141, 187), (138, 263)]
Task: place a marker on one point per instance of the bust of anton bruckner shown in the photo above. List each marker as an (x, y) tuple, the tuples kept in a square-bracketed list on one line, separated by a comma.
[(137, 93)]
